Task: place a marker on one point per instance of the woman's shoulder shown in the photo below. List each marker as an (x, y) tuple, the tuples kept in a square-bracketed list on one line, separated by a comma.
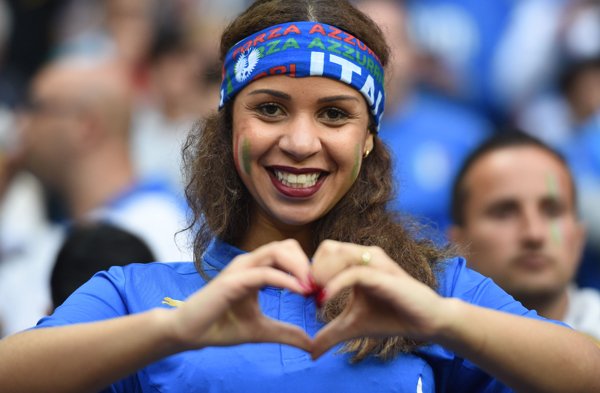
[(157, 269), (141, 275), (457, 280), (138, 283), (130, 289)]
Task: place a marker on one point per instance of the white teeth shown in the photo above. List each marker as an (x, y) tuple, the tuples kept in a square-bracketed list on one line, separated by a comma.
[(297, 181)]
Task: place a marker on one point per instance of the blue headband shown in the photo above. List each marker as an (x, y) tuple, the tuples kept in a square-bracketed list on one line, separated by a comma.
[(300, 49)]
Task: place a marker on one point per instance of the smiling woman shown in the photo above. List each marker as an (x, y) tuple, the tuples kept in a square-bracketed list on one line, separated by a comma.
[(295, 128), (291, 169)]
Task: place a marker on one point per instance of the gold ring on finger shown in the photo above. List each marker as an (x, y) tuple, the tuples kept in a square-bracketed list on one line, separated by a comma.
[(365, 260)]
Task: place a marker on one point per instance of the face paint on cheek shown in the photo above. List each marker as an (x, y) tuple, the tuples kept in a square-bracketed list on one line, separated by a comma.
[(555, 227), (552, 186), (246, 157), (356, 166), (236, 154), (556, 233)]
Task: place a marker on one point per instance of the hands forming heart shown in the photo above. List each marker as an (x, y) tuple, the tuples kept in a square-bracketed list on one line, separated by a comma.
[(385, 300)]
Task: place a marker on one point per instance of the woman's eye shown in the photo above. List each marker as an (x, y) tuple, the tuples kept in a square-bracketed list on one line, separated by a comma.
[(270, 110), (334, 114)]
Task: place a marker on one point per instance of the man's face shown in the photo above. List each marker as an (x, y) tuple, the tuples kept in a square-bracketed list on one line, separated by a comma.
[(520, 225), (48, 126)]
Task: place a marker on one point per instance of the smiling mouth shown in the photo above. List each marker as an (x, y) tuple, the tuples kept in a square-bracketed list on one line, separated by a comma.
[(302, 180)]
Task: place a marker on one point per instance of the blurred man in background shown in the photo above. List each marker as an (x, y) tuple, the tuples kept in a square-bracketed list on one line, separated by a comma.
[(75, 139), (515, 221)]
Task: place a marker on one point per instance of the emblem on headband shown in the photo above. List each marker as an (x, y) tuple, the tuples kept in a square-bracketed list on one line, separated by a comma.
[(246, 64)]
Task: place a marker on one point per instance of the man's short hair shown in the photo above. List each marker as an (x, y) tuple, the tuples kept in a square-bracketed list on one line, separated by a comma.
[(505, 139), (91, 249)]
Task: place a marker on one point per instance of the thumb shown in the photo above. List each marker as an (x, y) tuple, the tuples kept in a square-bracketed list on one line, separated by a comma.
[(284, 333), (337, 331)]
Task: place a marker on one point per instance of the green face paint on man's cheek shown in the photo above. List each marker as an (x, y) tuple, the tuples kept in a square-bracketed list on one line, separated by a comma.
[(555, 228), (246, 157), (354, 173)]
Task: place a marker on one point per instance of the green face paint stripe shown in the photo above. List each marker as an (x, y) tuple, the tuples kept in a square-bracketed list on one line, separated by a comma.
[(354, 173), (246, 159), (552, 186), (555, 232), (236, 153)]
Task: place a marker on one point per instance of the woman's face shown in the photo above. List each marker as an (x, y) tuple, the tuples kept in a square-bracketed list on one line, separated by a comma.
[(298, 144)]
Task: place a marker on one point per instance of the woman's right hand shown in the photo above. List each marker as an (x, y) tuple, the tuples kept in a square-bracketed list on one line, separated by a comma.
[(226, 311)]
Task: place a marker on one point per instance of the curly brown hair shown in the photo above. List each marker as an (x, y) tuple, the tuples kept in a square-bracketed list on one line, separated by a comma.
[(221, 203)]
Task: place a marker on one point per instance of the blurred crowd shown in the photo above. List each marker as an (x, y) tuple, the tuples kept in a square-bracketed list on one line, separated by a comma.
[(97, 96)]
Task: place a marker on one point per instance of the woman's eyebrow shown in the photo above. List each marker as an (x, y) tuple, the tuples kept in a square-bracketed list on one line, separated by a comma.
[(274, 93), (336, 98)]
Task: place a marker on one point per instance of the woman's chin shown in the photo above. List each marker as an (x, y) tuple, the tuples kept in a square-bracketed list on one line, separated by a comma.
[(296, 217), (295, 221)]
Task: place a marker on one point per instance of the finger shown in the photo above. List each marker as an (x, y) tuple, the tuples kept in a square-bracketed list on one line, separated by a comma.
[(229, 290), (284, 333), (375, 282), (241, 284), (286, 255), (335, 332), (333, 257), (407, 298)]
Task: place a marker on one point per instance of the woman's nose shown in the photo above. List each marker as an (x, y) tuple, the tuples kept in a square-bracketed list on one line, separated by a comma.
[(300, 138)]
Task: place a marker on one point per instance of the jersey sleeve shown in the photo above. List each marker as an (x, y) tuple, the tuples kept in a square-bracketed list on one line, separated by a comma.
[(472, 287), (102, 297), (468, 285)]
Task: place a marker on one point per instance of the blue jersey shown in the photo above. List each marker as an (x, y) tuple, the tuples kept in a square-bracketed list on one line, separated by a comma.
[(276, 367)]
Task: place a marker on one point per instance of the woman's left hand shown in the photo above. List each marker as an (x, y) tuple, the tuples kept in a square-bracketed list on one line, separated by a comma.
[(386, 301)]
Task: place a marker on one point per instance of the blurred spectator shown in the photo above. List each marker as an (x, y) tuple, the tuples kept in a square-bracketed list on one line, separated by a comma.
[(493, 55), (515, 220), (567, 102), (180, 92), (580, 30), (580, 85), (89, 250), (117, 29), (429, 134), (76, 141)]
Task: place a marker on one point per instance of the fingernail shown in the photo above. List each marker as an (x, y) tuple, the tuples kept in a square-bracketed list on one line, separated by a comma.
[(320, 297)]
